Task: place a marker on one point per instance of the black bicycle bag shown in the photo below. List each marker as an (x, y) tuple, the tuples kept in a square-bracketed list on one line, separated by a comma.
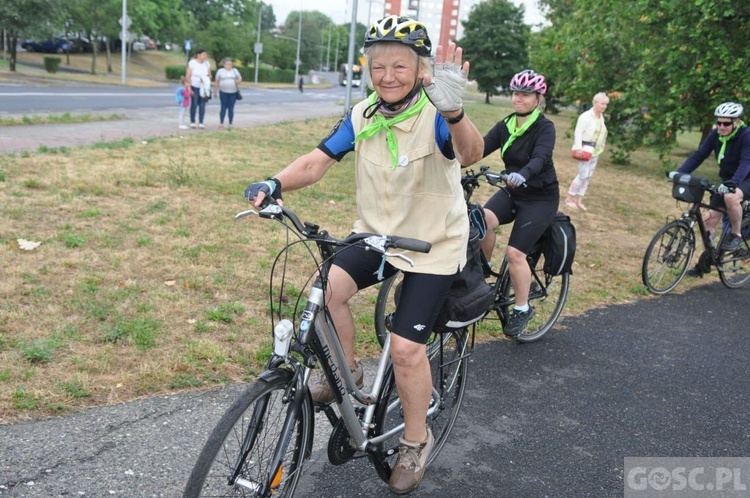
[(470, 296), (559, 245)]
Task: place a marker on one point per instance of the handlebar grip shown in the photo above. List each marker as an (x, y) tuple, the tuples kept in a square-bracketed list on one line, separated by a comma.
[(415, 245)]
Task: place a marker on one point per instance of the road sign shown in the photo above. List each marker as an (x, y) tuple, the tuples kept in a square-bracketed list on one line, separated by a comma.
[(258, 48), (126, 22)]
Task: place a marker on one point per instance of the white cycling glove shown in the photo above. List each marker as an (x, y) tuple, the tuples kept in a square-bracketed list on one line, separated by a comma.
[(447, 87)]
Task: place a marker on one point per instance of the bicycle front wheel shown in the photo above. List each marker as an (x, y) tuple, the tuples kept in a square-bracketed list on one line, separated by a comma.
[(448, 354), (667, 257), (239, 456), (547, 295), (734, 266)]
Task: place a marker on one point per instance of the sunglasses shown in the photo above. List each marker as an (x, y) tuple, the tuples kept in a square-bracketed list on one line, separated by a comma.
[(724, 123)]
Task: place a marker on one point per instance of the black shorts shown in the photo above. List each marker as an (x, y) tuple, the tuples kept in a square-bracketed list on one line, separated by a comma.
[(717, 200), (421, 295), (532, 217)]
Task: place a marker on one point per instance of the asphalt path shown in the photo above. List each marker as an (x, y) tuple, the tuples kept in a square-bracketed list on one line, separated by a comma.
[(143, 113), (660, 377)]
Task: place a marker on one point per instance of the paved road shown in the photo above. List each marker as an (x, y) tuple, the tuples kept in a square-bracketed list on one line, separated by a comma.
[(661, 377), (156, 115)]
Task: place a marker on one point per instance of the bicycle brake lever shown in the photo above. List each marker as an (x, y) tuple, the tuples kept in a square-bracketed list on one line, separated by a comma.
[(399, 256), (243, 214)]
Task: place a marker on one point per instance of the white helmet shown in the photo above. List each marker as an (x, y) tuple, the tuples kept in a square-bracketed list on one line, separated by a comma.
[(728, 110)]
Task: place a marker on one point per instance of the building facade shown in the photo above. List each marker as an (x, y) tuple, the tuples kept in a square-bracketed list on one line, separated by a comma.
[(442, 17)]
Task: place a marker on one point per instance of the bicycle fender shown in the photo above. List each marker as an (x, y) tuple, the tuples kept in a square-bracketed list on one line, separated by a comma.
[(276, 373)]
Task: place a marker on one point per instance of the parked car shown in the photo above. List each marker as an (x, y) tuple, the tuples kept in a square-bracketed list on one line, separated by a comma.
[(56, 46)]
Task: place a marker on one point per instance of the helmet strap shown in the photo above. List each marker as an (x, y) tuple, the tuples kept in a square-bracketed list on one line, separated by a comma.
[(391, 108)]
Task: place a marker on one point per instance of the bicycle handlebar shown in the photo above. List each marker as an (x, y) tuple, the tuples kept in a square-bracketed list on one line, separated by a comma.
[(311, 231), (470, 180), (702, 182)]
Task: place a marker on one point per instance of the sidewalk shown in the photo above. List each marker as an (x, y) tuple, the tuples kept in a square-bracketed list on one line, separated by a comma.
[(147, 123)]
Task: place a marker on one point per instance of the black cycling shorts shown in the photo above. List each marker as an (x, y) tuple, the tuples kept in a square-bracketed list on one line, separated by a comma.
[(420, 298), (717, 200), (532, 217)]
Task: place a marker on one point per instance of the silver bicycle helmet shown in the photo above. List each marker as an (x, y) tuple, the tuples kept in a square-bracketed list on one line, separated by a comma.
[(728, 110)]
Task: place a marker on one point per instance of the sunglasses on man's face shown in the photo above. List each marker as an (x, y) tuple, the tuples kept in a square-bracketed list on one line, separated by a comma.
[(724, 123)]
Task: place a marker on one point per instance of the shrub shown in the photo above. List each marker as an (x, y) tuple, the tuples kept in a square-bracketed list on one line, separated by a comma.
[(51, 64), (175, 72)]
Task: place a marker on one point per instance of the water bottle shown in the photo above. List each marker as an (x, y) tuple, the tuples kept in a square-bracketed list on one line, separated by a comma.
[(282, 334)]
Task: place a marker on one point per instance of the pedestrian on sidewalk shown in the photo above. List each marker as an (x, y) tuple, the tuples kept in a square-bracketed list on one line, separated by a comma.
[(198, 72), (183, 95), (227, 86), (301, 84)]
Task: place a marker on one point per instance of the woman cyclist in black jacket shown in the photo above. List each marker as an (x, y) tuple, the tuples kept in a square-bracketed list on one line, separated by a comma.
[(525, 140)]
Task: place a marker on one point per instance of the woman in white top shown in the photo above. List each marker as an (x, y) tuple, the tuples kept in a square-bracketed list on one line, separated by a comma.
[(591, 132), (199, 74), (227, 85)]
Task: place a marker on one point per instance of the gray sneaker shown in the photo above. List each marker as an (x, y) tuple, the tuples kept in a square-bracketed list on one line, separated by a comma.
[(321, 391), (731, 243), (517, 321), (412, 462)]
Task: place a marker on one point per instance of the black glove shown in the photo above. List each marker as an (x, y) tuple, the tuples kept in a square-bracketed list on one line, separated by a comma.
[(269, 186)]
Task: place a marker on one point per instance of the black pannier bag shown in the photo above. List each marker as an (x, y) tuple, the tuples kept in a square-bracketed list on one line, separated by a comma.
[(470, 296), (559, 245)]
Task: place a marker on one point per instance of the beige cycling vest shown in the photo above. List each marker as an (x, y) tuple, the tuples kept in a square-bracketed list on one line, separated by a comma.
[(420, 198)]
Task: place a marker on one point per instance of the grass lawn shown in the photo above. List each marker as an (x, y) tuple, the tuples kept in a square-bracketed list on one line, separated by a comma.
[(143, 282)]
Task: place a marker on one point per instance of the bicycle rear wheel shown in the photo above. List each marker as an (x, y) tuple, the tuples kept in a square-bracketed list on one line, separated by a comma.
[(448, 354), (734, 266), (667, 256), (264, 420)]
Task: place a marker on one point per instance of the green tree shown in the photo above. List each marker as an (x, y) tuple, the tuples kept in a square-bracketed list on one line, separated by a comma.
[(96, 18), (665, 63), (497, 50), (24, 17)]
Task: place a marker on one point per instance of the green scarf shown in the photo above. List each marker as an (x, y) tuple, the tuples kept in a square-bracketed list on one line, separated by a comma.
[(512, 123), (726, 139), (382, 123)]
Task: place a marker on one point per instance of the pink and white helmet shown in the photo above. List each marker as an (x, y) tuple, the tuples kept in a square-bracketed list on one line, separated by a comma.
[(528, 81)]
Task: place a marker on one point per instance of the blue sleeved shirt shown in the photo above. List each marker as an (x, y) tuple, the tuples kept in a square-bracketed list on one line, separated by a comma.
[(340, 141), (735, 165)]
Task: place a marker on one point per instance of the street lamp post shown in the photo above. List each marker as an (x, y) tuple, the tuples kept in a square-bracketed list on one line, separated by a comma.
[(328, 56), (350, 58), (299, 40), (258, 46)]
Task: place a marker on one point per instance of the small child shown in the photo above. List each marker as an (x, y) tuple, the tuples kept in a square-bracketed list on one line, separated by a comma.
[(183, 99)]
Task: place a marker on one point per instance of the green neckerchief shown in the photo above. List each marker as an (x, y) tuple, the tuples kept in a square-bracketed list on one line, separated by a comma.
[(382, 123), (512, 123), (726, 139)]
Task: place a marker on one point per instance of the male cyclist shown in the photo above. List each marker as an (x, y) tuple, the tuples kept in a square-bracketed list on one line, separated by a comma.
[(730, 143)]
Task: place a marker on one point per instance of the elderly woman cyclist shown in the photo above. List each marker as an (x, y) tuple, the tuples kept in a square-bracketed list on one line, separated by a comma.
[(409, 138)]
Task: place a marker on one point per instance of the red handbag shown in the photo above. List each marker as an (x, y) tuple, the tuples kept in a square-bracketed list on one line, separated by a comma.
[(583, 154)]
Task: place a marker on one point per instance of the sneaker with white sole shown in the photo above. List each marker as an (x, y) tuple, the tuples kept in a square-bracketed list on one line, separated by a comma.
[(517, 321), (321, 391), (411, 464)]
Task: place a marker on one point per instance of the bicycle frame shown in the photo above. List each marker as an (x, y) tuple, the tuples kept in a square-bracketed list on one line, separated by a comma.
[(316, 341)]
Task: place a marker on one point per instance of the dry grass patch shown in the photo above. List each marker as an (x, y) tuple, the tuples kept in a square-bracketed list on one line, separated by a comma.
[(144, 283)]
